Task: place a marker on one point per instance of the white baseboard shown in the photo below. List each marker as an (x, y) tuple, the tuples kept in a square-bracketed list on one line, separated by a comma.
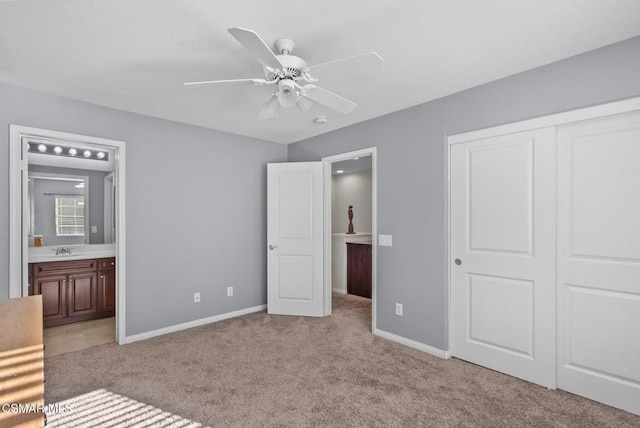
[(413, 344), (190, 324), (339, 290)]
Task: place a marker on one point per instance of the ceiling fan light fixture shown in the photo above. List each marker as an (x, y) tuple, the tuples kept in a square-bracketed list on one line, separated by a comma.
[(270, 108), (288, 94)]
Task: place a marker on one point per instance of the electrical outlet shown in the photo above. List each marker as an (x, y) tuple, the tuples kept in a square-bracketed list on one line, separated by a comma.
[(229, 291), (399, 309), (196, 297)]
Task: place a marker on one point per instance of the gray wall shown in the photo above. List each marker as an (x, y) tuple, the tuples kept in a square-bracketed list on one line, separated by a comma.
[(44, 216), (195, 208), (412, 172), (351, 189)]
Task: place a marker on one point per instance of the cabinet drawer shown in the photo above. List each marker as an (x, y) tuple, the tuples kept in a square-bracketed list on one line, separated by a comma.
[(108, 263), (67, 266)]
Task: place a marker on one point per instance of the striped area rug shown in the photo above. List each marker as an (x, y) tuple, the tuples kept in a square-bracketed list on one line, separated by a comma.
[(101, 408)]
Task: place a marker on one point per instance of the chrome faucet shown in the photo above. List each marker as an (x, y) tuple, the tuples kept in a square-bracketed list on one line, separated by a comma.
[(63, 250)]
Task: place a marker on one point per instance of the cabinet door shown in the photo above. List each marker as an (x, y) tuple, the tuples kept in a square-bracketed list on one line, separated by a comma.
[(54, 297), (359, 269), (107, 291), (83, 299)]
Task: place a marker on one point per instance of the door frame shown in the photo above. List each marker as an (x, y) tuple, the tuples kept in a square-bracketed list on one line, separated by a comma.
[(109, 214), (557, 119), (18, 245), (328, 160)]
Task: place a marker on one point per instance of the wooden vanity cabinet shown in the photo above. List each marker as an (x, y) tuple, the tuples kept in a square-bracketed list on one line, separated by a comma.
[(359, 269), (54, 297), (75, 290), (107, 286), (82, 297)]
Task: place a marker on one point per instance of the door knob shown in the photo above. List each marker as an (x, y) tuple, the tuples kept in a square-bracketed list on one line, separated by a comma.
[(458, 262), (272, 247)]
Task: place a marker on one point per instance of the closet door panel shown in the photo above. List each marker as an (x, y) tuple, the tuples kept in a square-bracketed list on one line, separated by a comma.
[(503, 238), (599, 260)]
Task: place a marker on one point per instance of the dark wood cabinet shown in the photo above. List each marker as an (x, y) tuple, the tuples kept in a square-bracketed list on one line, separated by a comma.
[(75, 290), (359, 269), (83, 294), (107, 285), (54, 297)]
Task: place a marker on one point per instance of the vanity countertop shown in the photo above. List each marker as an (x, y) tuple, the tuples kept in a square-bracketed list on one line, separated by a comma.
[(78, 252)]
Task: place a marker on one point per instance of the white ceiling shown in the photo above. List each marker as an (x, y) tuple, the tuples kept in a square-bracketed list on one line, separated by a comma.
[(134, 55)]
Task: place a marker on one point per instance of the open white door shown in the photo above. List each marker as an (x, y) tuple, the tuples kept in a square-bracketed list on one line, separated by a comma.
[(295, 239)]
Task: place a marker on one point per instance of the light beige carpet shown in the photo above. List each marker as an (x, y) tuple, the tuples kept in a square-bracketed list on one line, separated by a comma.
[(104, 409), (266, 370)]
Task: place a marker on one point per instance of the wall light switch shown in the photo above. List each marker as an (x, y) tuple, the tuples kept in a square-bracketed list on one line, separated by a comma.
[(94, 229), (384, 240)]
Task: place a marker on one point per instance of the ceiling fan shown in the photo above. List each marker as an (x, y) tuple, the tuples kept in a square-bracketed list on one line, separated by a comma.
[(292, 77)]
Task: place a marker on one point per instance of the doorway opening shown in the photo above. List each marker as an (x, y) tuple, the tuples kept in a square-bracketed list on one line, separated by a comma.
[(351, 232), (66, 243)]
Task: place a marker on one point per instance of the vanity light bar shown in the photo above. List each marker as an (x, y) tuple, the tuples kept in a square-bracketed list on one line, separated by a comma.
[(56, 150)]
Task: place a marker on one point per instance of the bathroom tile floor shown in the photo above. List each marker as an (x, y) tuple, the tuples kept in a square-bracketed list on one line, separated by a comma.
[(74, 337)]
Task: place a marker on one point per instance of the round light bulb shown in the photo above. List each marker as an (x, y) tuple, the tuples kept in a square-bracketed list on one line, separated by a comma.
[(42, 148), (72, 152), (100, 155), (57, 150), (87, 154), (339, 171)]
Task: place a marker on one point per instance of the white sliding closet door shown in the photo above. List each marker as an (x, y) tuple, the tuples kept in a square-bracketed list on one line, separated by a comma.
[(503, 253), (599, 260)]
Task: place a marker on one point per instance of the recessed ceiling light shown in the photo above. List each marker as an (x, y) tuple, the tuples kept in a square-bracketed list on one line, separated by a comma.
[(321, 120), (339, 171)]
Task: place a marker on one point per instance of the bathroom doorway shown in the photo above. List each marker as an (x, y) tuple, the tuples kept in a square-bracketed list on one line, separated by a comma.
[(59, 231)]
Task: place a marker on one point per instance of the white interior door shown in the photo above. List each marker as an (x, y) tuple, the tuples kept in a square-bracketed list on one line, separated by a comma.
[(503, 254), (295, 238), (599, 260)]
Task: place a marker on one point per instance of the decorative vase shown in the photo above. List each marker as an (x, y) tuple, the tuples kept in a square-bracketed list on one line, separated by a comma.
[(350, 231)]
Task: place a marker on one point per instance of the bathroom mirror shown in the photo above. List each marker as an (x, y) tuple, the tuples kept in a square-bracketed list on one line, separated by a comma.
[(70, 206), (58, 209)]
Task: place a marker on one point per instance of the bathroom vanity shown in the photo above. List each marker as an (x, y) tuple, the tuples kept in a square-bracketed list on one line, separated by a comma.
[(74, 288), (339, 243)]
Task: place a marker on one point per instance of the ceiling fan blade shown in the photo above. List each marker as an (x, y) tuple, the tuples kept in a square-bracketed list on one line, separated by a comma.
[(270, 108), (228, 82), (256, 46), (329, 99), (357, 63)]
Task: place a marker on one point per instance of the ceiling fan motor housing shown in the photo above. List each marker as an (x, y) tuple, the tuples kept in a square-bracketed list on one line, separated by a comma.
[(293, 68)]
